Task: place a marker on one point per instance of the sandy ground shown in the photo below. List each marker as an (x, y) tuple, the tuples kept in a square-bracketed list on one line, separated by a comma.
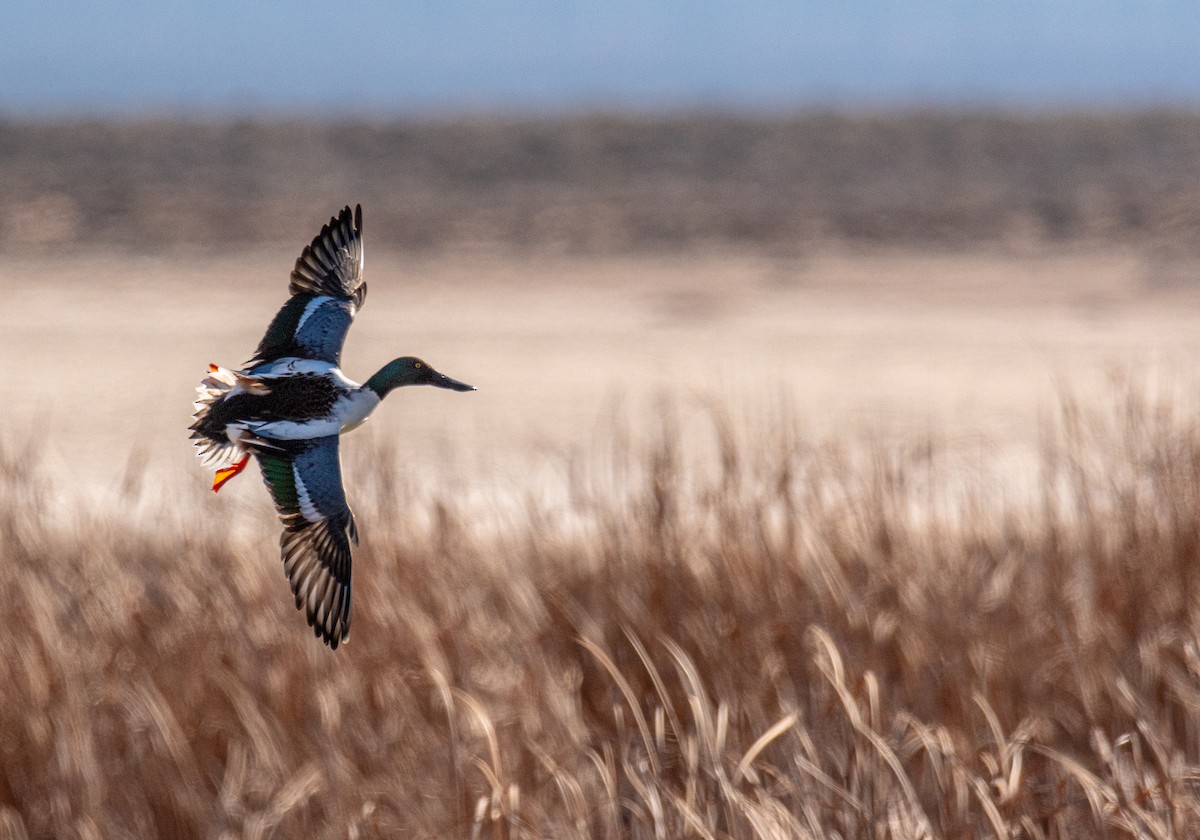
[(101, 353)]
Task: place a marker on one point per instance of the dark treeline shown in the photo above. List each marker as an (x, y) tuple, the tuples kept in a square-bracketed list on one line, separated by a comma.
[(599, 183)]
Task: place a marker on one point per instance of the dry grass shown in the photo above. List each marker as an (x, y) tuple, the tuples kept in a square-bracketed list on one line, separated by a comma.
[(709, 622), (755, 635)]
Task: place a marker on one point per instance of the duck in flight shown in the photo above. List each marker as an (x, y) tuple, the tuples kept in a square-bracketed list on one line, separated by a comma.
[(288, 408)]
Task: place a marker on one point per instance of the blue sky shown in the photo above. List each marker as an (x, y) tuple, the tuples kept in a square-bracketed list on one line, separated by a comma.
[(348, 57)]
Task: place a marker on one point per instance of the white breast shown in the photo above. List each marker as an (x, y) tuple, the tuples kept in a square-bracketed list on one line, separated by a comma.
[(354, 408)]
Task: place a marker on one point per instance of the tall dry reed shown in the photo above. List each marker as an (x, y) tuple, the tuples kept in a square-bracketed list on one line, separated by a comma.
[(721, 629)]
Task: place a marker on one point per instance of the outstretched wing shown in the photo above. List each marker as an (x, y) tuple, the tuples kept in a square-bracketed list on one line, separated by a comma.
[(327, 289), (305, 480)]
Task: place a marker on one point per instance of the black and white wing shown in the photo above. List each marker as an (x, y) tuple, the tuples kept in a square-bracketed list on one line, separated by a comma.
[(327, 290), (305, 480)]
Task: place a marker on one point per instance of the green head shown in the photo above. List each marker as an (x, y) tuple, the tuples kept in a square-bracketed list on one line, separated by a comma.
[(409, 370)]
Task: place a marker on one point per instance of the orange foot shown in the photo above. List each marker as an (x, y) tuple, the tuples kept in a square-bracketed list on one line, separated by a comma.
[(224, 474)]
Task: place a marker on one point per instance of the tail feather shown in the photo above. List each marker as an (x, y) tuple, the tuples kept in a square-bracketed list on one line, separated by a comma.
[(213, 451)]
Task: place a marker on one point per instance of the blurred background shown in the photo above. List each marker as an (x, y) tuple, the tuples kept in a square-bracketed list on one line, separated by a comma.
[(834, 469), (900, 214)]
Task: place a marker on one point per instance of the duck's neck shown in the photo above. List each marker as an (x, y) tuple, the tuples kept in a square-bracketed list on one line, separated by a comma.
[(382, 383)]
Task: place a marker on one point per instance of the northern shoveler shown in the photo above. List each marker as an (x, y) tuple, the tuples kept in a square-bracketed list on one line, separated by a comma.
[(289, 406)]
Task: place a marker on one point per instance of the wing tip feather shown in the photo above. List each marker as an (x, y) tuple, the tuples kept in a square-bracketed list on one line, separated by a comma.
[(332, 263)]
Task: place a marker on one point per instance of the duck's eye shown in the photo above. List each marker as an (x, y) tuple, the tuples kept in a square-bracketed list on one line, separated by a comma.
[(417, 365)]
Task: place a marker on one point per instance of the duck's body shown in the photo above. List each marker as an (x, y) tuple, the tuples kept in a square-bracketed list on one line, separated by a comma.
[(288, 399), (288, 408)]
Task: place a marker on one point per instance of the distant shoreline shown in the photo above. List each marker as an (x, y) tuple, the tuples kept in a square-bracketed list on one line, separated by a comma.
[(630, 182)]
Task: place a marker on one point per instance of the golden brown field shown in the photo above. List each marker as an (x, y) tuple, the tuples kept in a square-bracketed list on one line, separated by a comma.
[(735, 540)]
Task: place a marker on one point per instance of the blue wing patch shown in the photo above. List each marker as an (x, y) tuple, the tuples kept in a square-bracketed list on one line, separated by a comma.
[(319, 477), (307, 327), (322, 328)]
